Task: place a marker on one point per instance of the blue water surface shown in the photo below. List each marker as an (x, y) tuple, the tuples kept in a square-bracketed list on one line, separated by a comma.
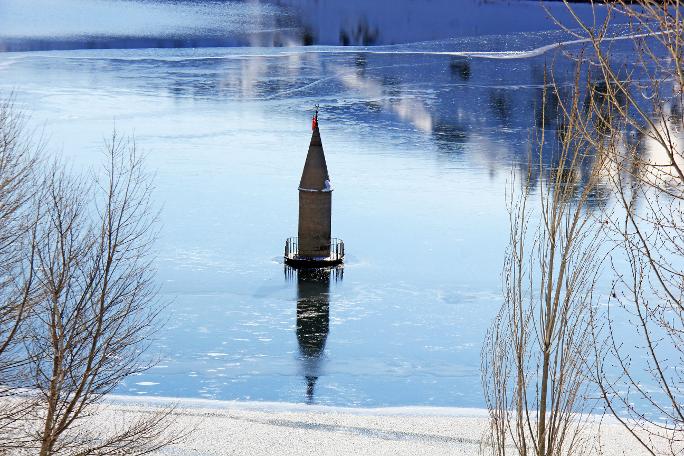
[(427, 110)]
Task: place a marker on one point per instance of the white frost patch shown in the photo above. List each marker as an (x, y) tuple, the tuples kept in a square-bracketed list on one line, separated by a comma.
[(147, 383)]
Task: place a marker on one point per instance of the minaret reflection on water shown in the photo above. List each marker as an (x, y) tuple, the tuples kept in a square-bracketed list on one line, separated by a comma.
[(313, 320)]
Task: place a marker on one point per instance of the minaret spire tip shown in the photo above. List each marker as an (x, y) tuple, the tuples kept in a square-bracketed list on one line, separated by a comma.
[(314, 120)]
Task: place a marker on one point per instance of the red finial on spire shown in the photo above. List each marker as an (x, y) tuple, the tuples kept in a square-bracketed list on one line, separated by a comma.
[(314, 120)]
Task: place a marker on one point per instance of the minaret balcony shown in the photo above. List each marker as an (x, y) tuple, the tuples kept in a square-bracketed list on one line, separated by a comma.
[(294, 258)]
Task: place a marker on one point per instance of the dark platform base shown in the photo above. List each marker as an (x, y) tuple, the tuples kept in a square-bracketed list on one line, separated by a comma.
[(308, 262)]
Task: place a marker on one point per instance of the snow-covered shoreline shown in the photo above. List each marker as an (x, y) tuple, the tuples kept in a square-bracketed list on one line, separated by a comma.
[(272, 428), (290, 407)]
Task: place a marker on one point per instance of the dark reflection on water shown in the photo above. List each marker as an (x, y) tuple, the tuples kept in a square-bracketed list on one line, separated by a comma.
[(483, 110), (313, 321), (137, 24)]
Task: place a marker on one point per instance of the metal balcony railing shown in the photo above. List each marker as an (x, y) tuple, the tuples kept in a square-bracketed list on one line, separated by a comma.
[(335, 249)]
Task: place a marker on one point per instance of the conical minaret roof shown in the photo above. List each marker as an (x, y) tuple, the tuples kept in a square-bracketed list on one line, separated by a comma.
[(315, 174)]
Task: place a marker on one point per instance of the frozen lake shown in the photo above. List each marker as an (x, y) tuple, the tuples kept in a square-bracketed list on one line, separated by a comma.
[(424, 118)]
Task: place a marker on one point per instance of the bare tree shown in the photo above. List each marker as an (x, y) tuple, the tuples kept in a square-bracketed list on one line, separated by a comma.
[(18, 159), (97, 309), (641, 379), (534, 360), (645, 99)]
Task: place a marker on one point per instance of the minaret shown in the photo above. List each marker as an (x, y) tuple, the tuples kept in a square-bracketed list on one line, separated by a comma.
[(314, 245), (315, 201)]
